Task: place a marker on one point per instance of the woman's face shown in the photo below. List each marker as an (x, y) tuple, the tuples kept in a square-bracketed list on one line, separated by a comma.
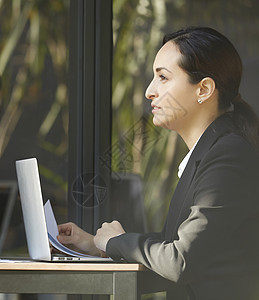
[(174, 98)]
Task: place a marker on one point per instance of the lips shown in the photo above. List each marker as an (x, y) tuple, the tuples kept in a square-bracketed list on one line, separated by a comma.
[(155, 107)]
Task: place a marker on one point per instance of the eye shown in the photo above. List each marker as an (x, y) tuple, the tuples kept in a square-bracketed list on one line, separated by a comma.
[(162, 77)]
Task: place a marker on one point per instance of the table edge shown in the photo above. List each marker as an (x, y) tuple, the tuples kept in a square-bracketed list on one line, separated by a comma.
[(50, 266)]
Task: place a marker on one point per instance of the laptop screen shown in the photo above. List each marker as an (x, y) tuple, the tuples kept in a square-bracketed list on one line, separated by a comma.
[(32, 208)]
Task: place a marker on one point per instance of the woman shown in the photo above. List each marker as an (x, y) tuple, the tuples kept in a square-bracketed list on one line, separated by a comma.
[(210, 243)]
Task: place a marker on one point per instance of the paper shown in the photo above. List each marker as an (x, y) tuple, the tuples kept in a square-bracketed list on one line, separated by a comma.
[(52, 229)]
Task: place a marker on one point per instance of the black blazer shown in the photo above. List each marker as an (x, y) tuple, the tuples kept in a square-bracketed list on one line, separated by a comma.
[(210, 242)]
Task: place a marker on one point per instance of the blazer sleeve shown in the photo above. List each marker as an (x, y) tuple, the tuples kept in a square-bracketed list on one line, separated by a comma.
[(224, 201)]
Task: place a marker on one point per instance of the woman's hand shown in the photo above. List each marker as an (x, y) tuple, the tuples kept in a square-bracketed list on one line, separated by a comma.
[(78, 239), (106, 232)]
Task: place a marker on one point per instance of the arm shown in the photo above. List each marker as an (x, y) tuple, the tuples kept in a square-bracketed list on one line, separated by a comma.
[(111, 230), (222, 203), (74, 237)]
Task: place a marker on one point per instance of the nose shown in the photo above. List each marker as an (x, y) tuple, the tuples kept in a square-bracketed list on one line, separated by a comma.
[(151, 91)]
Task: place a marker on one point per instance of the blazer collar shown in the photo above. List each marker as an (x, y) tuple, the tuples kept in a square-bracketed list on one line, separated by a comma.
[(216, 129), (221, 126)]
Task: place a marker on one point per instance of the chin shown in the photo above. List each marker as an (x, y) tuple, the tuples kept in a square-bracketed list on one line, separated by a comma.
[(159, 122)]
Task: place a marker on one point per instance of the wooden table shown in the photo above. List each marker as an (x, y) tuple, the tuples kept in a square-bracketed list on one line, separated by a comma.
[(123, 281)]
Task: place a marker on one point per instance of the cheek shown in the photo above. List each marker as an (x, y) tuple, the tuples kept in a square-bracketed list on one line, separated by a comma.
[(179, 103), (174, 95), (186, 94)]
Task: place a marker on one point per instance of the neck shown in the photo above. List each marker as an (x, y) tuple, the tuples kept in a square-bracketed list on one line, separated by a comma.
[(191, 134)]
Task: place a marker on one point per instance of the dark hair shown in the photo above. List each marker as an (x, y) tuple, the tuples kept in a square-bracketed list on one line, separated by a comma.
[(208, 53)]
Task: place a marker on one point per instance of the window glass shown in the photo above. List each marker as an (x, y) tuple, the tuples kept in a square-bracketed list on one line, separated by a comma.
[(34, 100), (138, 27)]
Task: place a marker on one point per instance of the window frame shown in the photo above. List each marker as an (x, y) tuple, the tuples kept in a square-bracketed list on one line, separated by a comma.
[(90, 112)]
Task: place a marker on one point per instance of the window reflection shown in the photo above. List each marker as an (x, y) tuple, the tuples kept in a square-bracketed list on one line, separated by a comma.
[(34, 100), (138, 28)]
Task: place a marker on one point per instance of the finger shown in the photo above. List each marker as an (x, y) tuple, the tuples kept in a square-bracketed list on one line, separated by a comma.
[(99, 231), (64, 239), (62, 228), (104, 224), (65, 228), (103, 254)]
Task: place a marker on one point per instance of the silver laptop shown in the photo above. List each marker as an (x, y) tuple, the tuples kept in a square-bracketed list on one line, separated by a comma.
[(37, 235)]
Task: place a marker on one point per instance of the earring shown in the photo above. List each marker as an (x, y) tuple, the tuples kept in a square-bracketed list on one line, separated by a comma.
[(200, 101)]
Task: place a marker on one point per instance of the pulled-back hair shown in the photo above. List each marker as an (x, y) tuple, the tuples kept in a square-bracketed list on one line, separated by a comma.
[(208, 53)]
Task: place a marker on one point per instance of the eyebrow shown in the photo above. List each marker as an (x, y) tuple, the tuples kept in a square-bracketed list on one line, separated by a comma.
[(162, 68)]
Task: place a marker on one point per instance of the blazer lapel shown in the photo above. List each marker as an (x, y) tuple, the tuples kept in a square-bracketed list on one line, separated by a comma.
[(175, 214)]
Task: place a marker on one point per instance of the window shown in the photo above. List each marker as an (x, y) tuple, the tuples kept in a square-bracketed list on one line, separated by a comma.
[(34, 111), (138, 28)]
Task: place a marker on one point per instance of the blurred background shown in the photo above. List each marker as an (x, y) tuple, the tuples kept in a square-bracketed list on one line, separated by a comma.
[(35, 102)]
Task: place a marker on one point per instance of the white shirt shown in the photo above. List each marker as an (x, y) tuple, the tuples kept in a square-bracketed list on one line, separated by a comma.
[(184, 162)]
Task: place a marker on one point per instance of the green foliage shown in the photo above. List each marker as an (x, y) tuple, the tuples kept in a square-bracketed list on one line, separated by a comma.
[(139, 26), (138, 31), (33, 68)]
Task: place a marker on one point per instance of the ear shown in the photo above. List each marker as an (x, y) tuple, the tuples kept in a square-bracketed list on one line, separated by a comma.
[(206, 88)]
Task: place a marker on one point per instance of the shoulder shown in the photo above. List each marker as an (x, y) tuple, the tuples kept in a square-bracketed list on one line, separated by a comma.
[(235, 148), (231, 162), (233, 139), (230, 155), (228, 172), (228, 139)]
